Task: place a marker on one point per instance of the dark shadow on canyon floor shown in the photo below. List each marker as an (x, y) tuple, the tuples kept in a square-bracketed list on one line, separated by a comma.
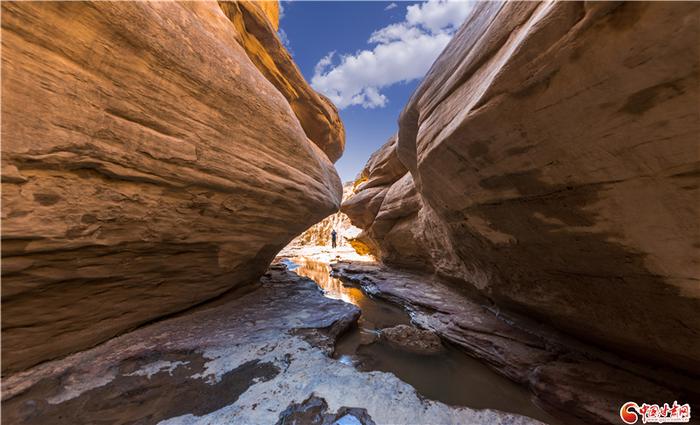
[(136, 398)]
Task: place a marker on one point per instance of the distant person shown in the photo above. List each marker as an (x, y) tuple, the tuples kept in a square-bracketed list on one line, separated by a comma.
[(334, 236)]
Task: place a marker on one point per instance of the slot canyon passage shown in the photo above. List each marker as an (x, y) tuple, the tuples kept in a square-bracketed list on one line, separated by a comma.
[(525, 248)]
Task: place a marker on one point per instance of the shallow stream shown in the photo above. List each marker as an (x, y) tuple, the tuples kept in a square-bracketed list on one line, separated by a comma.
[(451, 377)]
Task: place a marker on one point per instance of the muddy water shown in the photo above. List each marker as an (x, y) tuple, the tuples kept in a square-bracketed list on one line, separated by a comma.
[(451, 377)]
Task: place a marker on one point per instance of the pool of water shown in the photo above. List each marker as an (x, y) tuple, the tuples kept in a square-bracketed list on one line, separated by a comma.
[(451, 377)]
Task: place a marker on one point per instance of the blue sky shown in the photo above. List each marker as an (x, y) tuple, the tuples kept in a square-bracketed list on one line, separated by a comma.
[(368, 57)]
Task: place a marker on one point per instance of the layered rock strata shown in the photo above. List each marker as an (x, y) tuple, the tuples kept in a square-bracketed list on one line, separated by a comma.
[(256, 24), (155, 155), (552, 167), (581, 383)]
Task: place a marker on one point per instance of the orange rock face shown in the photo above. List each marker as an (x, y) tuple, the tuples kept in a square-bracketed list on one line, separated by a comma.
[(256, 23), (154, 155), (553, 161)]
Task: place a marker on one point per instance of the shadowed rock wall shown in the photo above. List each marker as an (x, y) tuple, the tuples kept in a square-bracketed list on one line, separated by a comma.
[(150, 161), (553, 166)]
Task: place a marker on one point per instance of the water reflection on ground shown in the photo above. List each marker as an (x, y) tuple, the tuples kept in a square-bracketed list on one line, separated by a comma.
[(321, 273), (451, 377), (376, 314)]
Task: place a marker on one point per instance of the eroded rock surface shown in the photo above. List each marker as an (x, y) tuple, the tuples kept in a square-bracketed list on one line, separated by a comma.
[(154, 156), (410, 338), (553, 168), (244, 360), (314, 411), (256, 24)]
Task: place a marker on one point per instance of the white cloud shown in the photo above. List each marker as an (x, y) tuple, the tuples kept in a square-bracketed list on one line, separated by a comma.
[(438, 15), (325, 62), (403, 52), (394, 32), (285, 40), (369, 97), (283, 4), (391, 6)]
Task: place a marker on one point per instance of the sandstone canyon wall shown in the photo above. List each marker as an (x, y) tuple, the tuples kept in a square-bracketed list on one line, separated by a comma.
[(549, 162), (154, 155)]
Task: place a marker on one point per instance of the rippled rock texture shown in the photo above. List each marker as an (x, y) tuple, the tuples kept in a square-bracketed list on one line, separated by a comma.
[(552, 166), (154, 155)]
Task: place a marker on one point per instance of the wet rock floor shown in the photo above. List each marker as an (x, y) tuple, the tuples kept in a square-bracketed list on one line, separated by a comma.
[(572, 380), (448, 375), (262, 358)]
